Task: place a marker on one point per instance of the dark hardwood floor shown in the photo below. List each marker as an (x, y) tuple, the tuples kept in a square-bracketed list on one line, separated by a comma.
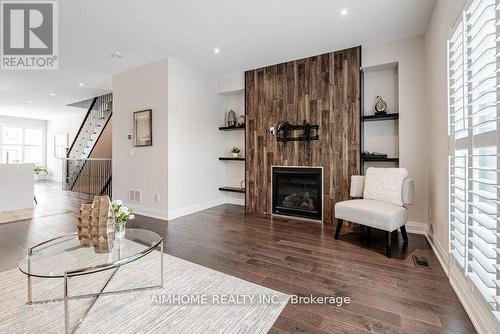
[(294, 257)]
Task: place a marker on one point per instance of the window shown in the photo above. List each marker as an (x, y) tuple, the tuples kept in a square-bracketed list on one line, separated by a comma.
[(33, 149), (474, 158), (21, 144), (60, 145)]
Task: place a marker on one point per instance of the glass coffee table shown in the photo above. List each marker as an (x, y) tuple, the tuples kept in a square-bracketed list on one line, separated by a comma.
[(63, 257)]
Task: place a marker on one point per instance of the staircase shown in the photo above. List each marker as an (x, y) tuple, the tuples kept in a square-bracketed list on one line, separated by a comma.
[(82, 173)]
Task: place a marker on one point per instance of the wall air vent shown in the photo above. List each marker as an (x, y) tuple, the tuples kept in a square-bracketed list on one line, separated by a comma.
[(135, 195)]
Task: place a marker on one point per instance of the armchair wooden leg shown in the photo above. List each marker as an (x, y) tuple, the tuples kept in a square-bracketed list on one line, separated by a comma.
[(388, 243), (403, 232), (339, 227)]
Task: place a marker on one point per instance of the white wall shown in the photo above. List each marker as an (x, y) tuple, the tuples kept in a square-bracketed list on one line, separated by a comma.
[(195, 111), (231, 83), (413, 134), (443, 17), (63, 125), (141, 168)]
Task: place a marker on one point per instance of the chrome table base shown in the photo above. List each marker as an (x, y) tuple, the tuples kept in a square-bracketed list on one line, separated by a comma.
[(95, 296)]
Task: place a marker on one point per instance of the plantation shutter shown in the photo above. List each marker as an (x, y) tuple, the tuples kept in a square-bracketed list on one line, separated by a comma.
[(474, 159), (458, 159)]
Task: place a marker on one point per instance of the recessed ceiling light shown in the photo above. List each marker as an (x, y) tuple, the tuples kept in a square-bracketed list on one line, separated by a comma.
[(216, 50), (30, 102), (52, 94), (81, 84), (344, 11), (118, 54)]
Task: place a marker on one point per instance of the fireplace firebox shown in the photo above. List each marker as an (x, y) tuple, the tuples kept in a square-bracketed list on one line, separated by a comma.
[(298, 191)]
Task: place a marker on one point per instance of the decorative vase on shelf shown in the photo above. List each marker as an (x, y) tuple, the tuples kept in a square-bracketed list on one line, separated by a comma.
[(231, 118), (241, 120), (235, 155), (380, 106)]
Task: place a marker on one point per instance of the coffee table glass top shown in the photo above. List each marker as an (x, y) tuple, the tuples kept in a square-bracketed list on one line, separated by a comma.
[(58, 256)]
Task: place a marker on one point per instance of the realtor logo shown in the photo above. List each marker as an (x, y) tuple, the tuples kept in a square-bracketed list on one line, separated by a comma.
[(29, 35)]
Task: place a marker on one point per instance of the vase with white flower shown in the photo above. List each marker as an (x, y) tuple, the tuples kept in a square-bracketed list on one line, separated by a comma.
[(122, 214)]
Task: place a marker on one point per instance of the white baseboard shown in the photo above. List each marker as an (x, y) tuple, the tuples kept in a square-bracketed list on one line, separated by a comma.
[(177, 213), (235, 201), (415, 228), (478, 311), (53, 178), (148, 212), (438, 249)]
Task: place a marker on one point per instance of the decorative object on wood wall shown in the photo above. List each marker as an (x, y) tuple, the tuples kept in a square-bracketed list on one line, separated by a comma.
[(83, 224), (231, 118), (285, 129), (380, 106), (284, 132), (103, 227), (322, 90), (241, 120), (143, 128)]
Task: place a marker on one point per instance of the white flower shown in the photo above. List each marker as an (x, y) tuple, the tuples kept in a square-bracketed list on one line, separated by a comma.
[(123, 210), (132, 216), (118, 202)]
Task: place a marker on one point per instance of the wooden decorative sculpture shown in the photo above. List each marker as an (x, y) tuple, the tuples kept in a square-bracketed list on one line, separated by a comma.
[(103, 228), (83, 224)]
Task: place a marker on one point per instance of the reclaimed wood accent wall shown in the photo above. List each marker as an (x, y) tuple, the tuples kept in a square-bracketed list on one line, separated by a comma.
[(323, 90)]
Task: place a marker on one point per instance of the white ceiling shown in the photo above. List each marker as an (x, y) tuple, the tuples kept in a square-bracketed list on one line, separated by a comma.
[(249, 34)]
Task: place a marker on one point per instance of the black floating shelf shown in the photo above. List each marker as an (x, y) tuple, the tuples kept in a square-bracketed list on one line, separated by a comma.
[(232, 159), (381, 159), (384, 117), (231, 128), (233, 189)]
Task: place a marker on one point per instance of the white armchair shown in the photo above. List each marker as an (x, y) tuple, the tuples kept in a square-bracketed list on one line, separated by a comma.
[(382, 198)]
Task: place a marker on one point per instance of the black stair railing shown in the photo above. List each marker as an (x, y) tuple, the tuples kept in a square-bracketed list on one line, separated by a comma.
[(94, 177), (93, 125)]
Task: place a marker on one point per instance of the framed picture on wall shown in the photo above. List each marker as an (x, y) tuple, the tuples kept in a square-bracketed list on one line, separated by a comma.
[(143, 128)]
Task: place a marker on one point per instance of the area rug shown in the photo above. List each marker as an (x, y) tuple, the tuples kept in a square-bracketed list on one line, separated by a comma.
[(194, 299), (17, 215), (25, 214)]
